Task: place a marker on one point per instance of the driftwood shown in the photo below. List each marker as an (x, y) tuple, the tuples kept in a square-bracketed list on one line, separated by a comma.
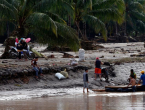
[(66, 55)]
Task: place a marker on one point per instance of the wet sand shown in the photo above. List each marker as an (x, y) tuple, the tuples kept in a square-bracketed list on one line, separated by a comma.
[(19, 99), (92, 101)]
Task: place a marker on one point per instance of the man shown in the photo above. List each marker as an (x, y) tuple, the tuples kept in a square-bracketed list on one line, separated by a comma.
[(85, 79), (132, 82), (98, 68), (143, 80), (36, 67)]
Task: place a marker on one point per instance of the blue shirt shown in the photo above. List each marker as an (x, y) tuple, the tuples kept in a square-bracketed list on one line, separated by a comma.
[(143, 79)]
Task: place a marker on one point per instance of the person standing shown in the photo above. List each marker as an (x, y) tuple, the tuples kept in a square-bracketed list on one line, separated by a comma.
[(19, 48), (142, 78), (25, 48), (85, 79), (132, 82), (98, 68)]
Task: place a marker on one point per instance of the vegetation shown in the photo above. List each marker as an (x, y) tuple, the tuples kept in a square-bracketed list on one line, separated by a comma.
[(37, 17), (65, 22)]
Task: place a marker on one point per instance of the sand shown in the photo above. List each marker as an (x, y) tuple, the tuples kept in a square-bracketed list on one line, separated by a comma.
[(111, 51)]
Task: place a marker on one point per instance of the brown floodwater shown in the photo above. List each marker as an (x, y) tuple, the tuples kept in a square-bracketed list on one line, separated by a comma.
[(92, 101)]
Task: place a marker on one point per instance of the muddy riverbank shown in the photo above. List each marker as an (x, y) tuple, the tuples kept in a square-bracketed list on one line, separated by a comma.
[(17, 75)]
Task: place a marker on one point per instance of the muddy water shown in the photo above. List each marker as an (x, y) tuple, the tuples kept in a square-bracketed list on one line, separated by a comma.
[(80, 102)]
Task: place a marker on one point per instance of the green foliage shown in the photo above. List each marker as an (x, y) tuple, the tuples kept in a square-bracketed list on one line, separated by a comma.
[(97, 12), (135, 16), (38, 17), (47, 19)]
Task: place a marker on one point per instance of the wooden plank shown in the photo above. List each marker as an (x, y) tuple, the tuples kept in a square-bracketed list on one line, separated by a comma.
[(98, 90)]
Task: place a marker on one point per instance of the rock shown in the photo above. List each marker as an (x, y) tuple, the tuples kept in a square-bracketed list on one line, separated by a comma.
[(4, 61), (102, 56)]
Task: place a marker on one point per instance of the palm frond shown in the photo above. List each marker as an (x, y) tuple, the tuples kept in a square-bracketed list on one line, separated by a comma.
[(66, 36), (108, 14), (96, 24), (42, 20)]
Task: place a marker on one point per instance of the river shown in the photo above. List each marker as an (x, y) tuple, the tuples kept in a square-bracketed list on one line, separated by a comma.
[(78, 101)]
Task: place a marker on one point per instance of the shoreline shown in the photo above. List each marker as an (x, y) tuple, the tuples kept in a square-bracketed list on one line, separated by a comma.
[(121, 65)]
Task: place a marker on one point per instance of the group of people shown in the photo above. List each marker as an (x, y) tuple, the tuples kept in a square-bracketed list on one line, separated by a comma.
[(132, 79), (21, 46), (98, 72)]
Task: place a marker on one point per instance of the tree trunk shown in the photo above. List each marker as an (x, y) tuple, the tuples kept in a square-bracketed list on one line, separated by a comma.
[(83, 37), (125, 29), (8, 42), (116, 28), (136, 34)]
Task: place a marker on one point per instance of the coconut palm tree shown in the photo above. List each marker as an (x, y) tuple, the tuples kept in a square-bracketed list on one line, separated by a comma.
[(38, 18), (134, 16), (96, 13)]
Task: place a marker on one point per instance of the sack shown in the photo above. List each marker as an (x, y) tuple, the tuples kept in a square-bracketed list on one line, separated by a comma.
[(59, 76), (81, 54), (64, 73), (73, 62)]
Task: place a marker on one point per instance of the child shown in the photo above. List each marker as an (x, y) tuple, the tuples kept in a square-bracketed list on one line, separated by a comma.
[(85, 79), (36, 67), (132, 82)]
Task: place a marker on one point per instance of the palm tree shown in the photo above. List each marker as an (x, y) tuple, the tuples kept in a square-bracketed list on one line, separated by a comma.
[(38, 18), (134, 16), (96, 13)]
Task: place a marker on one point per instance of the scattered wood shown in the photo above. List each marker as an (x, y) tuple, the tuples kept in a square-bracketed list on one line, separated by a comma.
[(66, 55), (51, 56), (44, 56)]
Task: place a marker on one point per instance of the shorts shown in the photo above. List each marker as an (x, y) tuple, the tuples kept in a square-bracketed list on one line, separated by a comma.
[(133, 88), (143, 87), (97, 71), (85, 84)]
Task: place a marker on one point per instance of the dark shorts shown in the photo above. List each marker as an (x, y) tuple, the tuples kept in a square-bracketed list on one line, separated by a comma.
[(133, 88), (143, 87)]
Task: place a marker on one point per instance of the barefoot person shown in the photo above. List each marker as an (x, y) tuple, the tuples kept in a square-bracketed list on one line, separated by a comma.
[(36, 67), (132, 73), (98, 68), (85, 79), (142, 78), (132, 82)]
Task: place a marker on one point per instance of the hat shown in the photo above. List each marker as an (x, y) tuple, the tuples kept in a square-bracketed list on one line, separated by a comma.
[(97, 58), (142, 72)]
